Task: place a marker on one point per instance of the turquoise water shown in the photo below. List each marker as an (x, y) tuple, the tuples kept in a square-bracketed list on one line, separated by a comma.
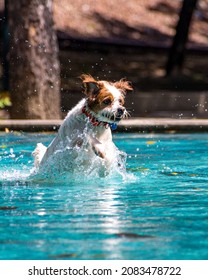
[(159, 210)]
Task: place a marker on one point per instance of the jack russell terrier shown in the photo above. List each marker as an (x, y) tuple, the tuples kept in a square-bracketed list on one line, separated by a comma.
[(86, 129)]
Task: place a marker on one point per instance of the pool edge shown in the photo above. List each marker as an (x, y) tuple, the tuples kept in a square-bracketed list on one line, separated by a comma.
[(130, 125)]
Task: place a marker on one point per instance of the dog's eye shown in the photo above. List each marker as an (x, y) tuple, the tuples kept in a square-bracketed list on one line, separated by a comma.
[(107, 101), (121, 101)]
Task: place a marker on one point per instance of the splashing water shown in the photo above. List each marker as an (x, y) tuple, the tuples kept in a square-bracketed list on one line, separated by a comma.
[(17, 163), (72, 164)]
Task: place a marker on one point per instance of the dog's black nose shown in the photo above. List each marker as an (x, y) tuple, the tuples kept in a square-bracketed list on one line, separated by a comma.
[(120, 111)]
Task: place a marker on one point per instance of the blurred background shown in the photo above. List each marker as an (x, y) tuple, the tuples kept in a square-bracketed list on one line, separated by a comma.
[(161, 46)]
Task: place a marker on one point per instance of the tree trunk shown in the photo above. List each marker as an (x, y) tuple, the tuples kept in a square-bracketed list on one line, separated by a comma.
[(34, 64), (177, 50)]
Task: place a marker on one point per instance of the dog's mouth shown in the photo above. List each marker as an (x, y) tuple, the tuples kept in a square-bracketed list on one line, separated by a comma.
[(115, 117)]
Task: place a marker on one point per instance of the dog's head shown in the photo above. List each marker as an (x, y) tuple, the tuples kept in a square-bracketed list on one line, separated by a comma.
[(106, 99)]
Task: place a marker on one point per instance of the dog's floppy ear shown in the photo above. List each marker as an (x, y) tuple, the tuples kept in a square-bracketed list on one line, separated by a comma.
[(90, 84), (123, 85)]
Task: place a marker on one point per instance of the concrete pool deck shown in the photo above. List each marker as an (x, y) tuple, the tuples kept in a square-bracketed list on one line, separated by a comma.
[(140, 125)]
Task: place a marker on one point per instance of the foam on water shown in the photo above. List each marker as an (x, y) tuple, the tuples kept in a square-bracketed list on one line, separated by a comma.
[(13, 166)]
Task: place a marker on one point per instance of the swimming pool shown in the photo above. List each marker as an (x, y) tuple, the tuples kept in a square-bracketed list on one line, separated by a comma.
[(159, 210)]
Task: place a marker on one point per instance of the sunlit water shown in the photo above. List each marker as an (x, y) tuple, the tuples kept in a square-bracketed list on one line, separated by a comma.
[(158, 210)]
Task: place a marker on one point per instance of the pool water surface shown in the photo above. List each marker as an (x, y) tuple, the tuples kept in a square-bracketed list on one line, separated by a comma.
[(159, 210)]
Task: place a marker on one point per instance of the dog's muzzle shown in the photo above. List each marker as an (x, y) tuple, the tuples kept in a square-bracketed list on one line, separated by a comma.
[(118, 115), (120, 112)]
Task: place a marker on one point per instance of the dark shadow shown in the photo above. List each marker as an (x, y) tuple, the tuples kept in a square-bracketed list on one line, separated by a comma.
[(120, 32), (201, 13), (1, 28), (120, 29), (116, 28), (165, 8)]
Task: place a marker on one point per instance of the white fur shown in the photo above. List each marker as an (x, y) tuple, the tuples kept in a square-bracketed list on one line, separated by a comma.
[(114, 91), (38, 153)]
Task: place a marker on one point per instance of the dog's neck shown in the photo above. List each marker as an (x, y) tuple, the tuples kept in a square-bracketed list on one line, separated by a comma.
[(94, 121)]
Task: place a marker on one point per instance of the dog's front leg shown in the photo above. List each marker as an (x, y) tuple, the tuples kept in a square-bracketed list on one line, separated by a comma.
[(77, 143), (97, 147)]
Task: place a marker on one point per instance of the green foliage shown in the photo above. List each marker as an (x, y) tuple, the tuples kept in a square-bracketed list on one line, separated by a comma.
[(5, 99)]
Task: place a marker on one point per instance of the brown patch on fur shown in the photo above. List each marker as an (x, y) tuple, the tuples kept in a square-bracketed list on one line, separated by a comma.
[(91, 86), (87, 78), (96, 104), (123, 85)]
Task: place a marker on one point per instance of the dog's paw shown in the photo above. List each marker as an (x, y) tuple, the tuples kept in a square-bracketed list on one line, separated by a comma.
[(99, 152), (97, 147)]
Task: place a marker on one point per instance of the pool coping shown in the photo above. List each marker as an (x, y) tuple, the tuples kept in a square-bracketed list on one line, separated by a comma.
[(140, 125)]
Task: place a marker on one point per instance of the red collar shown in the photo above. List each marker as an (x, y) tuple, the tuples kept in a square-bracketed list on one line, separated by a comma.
[(93, 120)]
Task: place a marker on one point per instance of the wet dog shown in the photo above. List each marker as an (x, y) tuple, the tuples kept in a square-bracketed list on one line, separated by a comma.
[(87, 127)]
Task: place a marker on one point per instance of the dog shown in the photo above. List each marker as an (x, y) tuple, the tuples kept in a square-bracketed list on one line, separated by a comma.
[(85, 135)]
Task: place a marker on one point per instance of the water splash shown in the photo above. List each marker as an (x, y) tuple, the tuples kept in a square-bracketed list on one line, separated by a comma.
[(73, 165), (17, 165)]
